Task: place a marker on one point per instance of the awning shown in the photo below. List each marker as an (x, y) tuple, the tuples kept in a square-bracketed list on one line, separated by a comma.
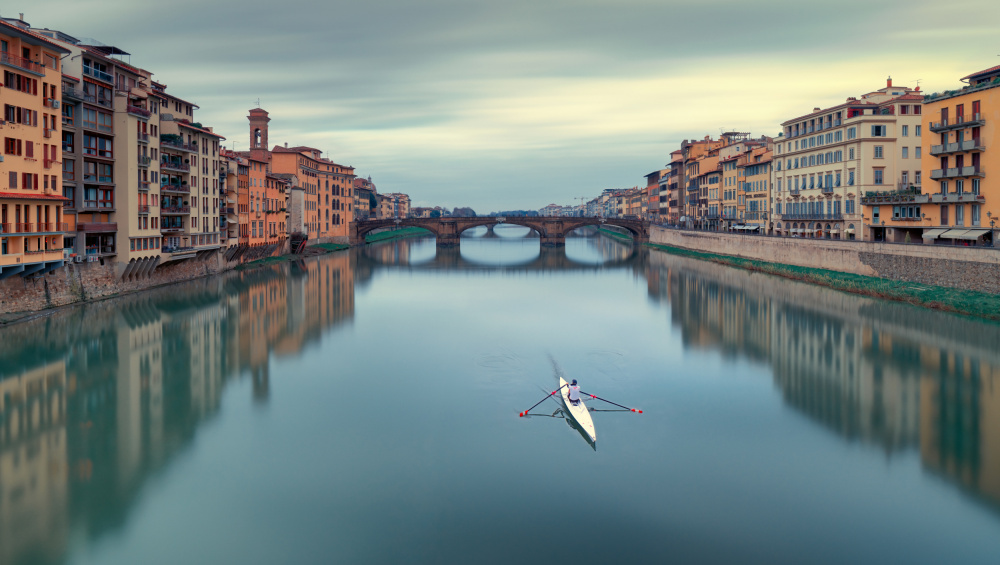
[(934, 233), (849, 230), (972, 234), (952, 234)]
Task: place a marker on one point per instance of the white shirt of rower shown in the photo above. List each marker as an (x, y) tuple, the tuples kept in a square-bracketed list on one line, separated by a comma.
[(574, 393)]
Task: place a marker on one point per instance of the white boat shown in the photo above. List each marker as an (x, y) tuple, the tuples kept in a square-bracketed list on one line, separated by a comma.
[(579, 411)]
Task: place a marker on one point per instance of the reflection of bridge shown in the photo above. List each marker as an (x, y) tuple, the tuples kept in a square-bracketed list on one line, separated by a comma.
[(548, 259), (551, 229)]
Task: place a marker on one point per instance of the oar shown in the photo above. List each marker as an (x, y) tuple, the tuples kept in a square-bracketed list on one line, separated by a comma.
[(609, 402), (522, 414)]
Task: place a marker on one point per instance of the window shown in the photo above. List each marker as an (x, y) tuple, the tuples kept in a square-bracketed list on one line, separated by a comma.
[(89, 118), (852, 133), (905, 177), (878, 131), (959, 215), (850, 178), (906, 153), (878, 151), (69, 172), (976, 218), (916, 176), (875, 214), (68, 117), (916, 129), (905, 129), (975, 186), (838, 135), (850, 154), (67, 142), (944, 187), (916, 152)]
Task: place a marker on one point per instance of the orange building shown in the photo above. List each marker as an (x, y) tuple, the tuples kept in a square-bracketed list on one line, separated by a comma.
[(961, 204), (31, 203)]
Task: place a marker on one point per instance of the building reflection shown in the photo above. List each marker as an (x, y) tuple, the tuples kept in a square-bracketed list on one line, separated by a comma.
[(95, 399), (890, 375)]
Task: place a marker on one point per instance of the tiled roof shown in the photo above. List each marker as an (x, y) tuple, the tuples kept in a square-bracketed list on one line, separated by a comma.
[(986, 72), (34, 35), (28, 196)]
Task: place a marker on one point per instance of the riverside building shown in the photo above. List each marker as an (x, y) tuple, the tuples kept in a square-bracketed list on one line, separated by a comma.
[(827, 160), (32, 226), (960, 203)]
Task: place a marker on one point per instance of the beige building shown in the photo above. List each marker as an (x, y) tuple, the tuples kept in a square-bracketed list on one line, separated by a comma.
[(825, 161)]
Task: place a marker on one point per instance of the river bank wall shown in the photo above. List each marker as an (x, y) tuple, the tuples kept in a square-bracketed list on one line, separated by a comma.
[(967, 268)]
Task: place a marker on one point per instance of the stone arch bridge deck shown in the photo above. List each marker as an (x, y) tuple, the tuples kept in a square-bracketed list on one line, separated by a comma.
[(551, 229)]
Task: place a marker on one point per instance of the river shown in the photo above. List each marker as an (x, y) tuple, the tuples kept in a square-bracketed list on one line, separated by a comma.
[(362, 407)]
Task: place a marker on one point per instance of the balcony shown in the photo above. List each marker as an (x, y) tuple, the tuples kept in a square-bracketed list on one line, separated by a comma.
[(174, 143), (174, 187), (174, 166), (143, 186), (98, 74), (957, 172), (793, 192), (73, 94), (828, 190), (143, 208), (230, 211), (959, 122), (137, 111), (895, 197), (22, 63), (957, 198), (101, 208), (170, 230), (144, 161), (97, 227), (807, 216), (143, 137), (34, 228), (174, 210), (47, 132), (957, 147)]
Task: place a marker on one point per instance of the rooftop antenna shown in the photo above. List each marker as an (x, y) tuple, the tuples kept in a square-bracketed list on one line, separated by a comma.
[(258, 102)]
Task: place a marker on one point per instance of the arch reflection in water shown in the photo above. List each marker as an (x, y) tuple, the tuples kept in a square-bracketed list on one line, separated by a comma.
[(97, 398), (881, 373)]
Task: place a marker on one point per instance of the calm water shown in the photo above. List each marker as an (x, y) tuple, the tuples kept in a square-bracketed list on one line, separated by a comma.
[(362, 408)]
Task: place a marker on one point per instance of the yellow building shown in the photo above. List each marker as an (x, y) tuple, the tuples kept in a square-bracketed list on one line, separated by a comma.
[(32, 226), (826, 160), (754, 170), (961, 203)]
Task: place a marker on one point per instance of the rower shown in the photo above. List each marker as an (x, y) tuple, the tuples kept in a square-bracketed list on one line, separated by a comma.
[(574, 392)]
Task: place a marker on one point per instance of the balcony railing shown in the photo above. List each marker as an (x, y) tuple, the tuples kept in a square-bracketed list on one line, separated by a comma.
[(143, 137), (143, 208), (177, 144), (98, 74), (144, 161), (175, 166), (958, 146), (143, 185), (959, 122), (22, 63), (170, 229), (137, 111), (807, 216), (895, 197), (230, 211), (957, 197), (97, 227), (34, 228), (174, 187), (957, 172), (73, 94), (175, 209)]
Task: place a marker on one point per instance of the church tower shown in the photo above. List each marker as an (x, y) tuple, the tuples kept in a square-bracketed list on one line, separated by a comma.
[(258, 135)]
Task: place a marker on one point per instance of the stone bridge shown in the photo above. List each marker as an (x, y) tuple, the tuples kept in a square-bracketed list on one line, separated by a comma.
[(551, 229)]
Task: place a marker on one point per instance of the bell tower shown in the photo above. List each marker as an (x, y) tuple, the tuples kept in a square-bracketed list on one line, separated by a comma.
[(258, 134)]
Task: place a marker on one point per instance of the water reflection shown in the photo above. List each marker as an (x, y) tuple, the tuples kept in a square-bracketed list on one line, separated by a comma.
[(95, 399), (881, 373)]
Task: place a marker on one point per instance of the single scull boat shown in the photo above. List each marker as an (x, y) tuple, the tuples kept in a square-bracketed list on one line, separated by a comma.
[(578, 411)]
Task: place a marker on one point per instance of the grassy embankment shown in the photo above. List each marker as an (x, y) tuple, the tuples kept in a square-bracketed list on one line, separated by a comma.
[(395, 234), (971, 303), (615, 234)]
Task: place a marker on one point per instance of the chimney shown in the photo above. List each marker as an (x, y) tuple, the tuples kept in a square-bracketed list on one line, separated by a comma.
[(21, 16), (888, 82), (286, 145)]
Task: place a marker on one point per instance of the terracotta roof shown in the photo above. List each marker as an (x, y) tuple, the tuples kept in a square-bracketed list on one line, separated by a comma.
[(985, 72), (202, 130), (34, 35), (24, 196), (68, 77)]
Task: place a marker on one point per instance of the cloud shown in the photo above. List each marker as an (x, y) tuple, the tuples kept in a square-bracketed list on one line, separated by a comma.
[(516, 104)]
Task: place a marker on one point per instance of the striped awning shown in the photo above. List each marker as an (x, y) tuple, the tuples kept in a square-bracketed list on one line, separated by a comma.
[(953, 234), (972, 234)]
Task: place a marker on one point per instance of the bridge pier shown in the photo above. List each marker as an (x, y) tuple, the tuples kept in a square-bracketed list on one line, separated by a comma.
[(558, 240)]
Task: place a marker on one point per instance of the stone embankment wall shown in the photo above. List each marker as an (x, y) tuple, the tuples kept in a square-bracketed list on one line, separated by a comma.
[(969, 268), (79, 282)]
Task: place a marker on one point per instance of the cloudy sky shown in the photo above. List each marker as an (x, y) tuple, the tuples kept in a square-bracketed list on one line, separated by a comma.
[(516, 104)]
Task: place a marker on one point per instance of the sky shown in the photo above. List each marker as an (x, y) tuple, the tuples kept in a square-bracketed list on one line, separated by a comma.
[(516, 104)]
